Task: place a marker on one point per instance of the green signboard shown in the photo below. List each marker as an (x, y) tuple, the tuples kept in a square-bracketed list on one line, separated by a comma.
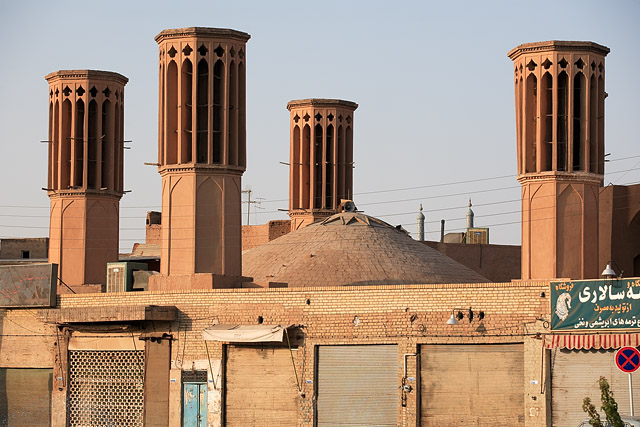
[(595, 304)]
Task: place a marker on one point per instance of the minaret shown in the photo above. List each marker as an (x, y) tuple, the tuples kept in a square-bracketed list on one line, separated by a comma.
[(85, 179), (201, 149), (559, 93), (420, 219), (321, 158), (469, 216)]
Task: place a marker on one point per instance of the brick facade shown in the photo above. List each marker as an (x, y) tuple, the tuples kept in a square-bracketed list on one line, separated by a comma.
[(407, 315)]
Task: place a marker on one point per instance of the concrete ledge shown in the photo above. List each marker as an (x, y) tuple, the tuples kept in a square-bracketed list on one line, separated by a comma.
[(110, 314)]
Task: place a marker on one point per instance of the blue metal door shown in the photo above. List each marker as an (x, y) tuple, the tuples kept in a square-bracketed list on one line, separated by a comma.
[(194, 404)]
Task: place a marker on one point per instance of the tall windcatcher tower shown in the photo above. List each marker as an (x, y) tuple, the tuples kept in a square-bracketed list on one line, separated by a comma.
[(85, 176), (321, 158), (559, 93), (201, 149)]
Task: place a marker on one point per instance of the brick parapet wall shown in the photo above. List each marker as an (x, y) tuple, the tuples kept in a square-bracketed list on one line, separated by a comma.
[(256, 235)]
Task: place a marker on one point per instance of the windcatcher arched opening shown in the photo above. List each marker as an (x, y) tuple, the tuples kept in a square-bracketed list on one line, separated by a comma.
[(329, 165), (318, 159), (306, 168), (296, 166), (341, 164), (242, 133), (171, 125), (162, 119), (218, 111), (78, 145), (52, 181), (601, 96), (202, 110), (233, 115), (593, 125), (579, 121), (546, 156), (118, 146), (92, 145), (562, 124), (186, 147), (66, 141), (531, 124), (349, 162), (106, 177)]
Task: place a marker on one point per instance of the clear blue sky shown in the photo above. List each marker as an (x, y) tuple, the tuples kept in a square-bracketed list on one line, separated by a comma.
[(432, 80)]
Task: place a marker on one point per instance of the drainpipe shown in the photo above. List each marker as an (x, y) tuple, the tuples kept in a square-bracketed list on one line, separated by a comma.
[(404, 377)]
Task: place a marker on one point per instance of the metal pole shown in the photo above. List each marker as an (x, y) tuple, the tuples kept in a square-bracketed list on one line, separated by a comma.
[(248, 205), (248, 192), (631, 394)]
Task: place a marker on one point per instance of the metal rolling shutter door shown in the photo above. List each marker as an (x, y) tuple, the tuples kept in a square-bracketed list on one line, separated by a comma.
[(481, 385), (357, 385), (575, 375), (260, 387)]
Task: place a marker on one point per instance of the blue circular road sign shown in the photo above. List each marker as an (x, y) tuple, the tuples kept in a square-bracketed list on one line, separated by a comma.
[(628, 359)]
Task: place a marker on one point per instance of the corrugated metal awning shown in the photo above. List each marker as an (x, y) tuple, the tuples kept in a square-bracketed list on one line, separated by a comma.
[(244, 333), (586, 342)]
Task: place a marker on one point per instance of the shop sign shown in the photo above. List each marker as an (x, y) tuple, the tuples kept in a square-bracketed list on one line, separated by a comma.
[(32, 285), (595, 304)]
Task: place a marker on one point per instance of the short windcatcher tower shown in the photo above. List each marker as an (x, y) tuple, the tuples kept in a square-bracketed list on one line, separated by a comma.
[(321, 158), (85, 179)]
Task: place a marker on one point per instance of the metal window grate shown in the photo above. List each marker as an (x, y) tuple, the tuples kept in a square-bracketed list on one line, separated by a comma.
[(106, 388)]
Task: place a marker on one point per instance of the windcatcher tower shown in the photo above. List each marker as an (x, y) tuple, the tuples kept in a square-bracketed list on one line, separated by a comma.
[(559, 92), (201, 149), (321, 158), (85, 178)]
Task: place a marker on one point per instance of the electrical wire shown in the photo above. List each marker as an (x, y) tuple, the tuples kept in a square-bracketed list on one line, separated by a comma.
[(439, 185), (142, 230), (377, 216), (452, 183)]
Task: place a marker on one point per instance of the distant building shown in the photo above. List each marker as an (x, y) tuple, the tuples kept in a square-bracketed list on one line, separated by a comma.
[(26, 250)]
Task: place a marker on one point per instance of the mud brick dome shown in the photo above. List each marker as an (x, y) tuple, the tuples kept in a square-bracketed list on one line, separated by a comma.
[(352, 249)]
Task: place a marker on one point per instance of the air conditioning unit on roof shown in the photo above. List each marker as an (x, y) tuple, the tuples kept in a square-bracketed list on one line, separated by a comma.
[(120, 275)]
